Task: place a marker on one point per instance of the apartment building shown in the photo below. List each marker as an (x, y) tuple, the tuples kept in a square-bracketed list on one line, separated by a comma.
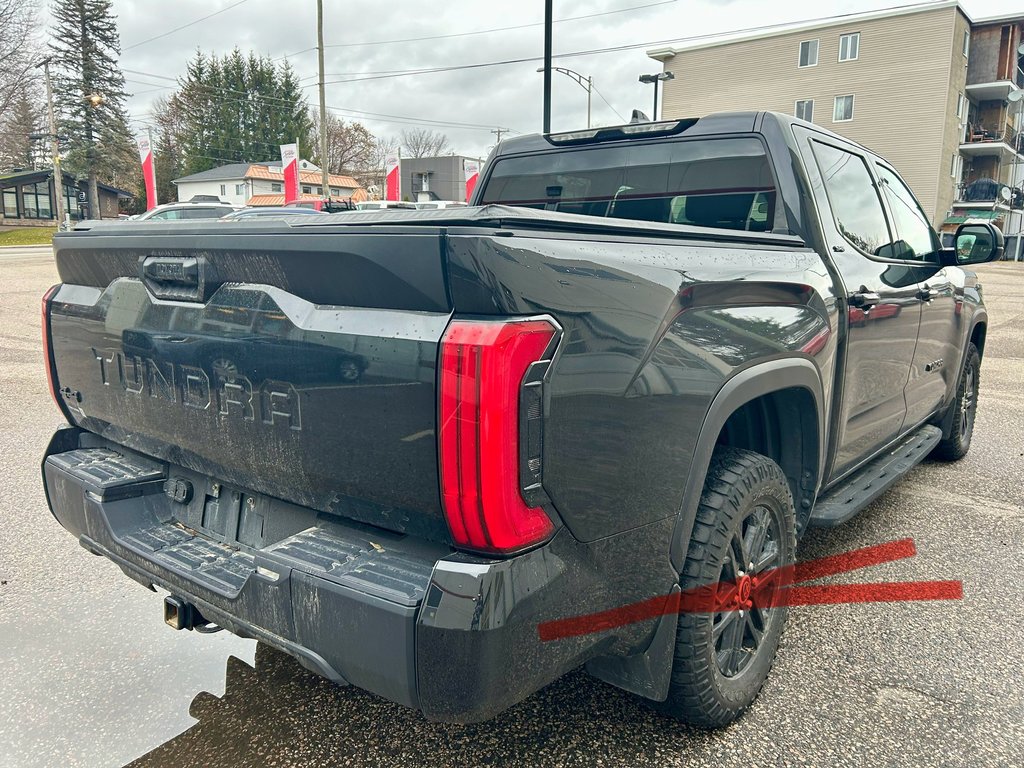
[(925, 86)]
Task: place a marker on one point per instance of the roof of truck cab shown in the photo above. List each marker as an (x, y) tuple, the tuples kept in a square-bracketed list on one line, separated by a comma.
[(708, 125)]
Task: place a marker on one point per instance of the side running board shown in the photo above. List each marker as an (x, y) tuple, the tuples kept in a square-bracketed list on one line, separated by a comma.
[(875, 478)]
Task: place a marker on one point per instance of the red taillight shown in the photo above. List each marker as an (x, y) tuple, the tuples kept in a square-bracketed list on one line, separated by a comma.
[(47, 354), (482, 368)]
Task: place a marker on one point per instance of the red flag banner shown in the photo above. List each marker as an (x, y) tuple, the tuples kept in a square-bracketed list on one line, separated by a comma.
[(148, 172), (392, 178), (472, 171), (290, 168)]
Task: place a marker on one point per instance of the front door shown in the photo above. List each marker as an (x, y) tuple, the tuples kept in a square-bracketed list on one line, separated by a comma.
[(936, 365)]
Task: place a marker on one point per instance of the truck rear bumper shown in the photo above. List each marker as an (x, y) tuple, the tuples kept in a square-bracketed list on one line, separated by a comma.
[(451, 635)]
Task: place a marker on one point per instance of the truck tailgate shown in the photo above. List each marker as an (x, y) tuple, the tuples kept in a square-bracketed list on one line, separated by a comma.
[(299, 365)]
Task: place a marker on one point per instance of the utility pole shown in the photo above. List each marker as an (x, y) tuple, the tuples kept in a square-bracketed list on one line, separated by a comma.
[(324, 172), (497, 132), (58, 175), (548, 13)]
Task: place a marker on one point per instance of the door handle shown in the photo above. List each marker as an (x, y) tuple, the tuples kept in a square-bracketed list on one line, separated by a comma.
[(864, 299), (926, 294)]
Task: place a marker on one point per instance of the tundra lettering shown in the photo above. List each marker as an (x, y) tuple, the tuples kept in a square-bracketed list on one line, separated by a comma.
[(191, 386)]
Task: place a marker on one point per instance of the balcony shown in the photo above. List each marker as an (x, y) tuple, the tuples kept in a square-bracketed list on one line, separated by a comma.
[(994, 91), (988, 193), (983, 141)]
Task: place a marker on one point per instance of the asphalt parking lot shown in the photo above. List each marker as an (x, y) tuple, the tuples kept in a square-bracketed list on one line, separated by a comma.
[(90, 675)]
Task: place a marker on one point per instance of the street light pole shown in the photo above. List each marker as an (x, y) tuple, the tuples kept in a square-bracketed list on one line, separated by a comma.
[(586, 83), (655, 79), (58, 175), (325, 178)]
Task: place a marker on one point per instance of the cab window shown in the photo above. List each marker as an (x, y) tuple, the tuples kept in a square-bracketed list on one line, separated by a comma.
[(855, 204), (915, 238), (721, 183)]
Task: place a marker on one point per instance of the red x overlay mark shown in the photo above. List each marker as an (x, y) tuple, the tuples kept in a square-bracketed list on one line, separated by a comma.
[(777, 587)]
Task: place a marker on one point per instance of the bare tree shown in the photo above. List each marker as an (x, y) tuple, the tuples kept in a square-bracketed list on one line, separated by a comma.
[(350, 145), (18, 39), (373, 175), (421, 142)]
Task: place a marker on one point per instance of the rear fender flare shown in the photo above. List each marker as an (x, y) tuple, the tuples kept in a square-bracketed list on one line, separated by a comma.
[(747, 385)]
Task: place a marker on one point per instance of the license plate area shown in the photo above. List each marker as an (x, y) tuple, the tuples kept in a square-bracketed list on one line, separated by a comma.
[(232, 516)]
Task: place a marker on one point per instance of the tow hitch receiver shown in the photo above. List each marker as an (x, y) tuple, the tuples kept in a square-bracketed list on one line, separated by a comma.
[(178, 614)]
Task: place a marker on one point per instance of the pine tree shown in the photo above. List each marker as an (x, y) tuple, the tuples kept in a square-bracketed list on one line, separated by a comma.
[(25, 116), (237, 108), (89, 93)]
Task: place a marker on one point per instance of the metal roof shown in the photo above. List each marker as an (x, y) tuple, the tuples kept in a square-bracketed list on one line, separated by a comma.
[(222, 172)]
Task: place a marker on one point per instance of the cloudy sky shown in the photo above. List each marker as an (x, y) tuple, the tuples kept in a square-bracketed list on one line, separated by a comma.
[(367, 42)]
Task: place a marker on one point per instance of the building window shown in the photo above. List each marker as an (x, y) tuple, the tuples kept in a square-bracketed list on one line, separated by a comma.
[(805, 110), (843, 109), (306, 189), (11, 203), (967, 42), (275, 186), (319, 190), (809, 53), (335, 191), (71, 201), (952, 165), (960, 105), (240, 189), (849, 47), (223, 189), (35, 200)]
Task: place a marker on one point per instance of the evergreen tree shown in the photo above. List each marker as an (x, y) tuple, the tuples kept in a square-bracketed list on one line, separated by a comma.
[(89, 93), (236, 109), (168, 157), (23, 117)]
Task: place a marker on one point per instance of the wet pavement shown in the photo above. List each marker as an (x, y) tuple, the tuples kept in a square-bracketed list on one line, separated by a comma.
[(90, 675)]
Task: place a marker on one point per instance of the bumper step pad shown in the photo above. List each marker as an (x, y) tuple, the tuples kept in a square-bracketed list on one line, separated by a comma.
[(347, 556), (209, 563), (107, 474)]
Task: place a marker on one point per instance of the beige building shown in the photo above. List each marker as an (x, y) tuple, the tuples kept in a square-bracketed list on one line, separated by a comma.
[(924, 86)]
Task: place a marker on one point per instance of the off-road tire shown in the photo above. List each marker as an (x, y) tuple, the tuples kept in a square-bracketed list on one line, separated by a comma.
[(741, 486), (964, 408)]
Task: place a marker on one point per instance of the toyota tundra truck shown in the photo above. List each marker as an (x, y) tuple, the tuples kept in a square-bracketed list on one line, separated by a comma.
[(449, 456)]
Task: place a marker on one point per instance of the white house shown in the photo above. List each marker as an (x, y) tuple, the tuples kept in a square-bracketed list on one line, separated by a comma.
[(262, 184)]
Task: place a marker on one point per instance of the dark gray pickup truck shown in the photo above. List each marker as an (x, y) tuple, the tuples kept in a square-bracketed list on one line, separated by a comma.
[(448, 456)]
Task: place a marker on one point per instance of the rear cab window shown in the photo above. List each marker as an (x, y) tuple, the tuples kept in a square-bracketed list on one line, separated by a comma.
[(723, 183)]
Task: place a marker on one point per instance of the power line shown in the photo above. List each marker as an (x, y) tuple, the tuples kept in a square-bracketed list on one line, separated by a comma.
[(245, 97), (594, 51), (183, 26), (613, 109), (479, 31)]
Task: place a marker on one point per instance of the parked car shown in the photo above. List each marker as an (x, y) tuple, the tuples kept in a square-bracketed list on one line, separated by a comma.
[(188, 211), (322, 206), (599, 410), (431, 205), (269, 213), (380, 205)]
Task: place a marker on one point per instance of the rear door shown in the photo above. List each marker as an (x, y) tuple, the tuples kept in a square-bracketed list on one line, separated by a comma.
[(882, 305)]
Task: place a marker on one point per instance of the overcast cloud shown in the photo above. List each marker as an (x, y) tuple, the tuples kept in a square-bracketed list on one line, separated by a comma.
[(501, 96)]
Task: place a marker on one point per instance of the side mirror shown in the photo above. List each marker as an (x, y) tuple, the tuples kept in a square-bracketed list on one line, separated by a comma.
[(977, 243)]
